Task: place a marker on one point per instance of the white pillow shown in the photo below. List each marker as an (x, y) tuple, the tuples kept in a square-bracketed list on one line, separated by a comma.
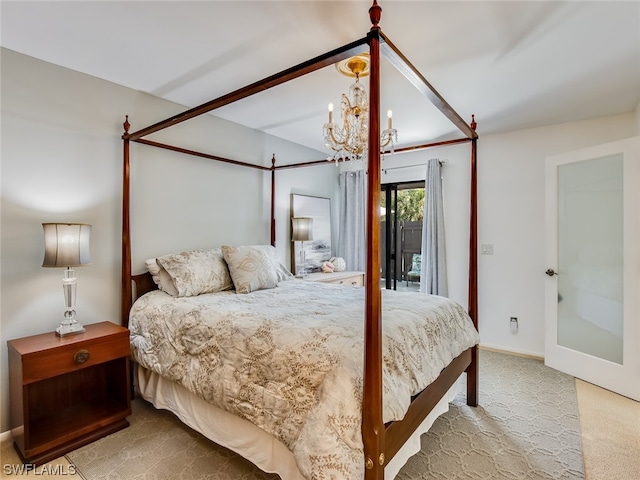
[(194, 272), (161, 277), (282, 271), (254, 267)]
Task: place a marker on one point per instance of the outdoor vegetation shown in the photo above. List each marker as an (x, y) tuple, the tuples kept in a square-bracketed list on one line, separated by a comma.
[(410, 205)]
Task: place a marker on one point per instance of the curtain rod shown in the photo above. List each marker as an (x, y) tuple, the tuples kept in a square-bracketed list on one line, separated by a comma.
[(384, 170)]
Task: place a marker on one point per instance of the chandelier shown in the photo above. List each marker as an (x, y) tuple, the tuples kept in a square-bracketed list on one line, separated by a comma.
[(349, 142)]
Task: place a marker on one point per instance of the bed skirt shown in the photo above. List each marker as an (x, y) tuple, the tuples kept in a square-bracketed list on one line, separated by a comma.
[(249, 441)]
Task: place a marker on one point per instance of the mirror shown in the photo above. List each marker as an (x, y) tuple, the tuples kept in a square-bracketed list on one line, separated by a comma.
[(318, 249)]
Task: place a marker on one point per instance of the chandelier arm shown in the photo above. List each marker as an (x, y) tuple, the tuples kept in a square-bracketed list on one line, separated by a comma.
[(335, 141), (345, 111), (388, 136)]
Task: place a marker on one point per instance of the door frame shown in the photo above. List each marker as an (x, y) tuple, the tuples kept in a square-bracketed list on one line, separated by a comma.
[(623, 379)]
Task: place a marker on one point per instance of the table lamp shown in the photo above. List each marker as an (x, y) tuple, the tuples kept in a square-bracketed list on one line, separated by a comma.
[(67, 245), (302, 231)]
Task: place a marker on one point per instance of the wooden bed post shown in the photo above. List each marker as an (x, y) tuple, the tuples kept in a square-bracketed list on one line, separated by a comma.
[(273, 200), (472, 370), (126, 231), (372, 424)]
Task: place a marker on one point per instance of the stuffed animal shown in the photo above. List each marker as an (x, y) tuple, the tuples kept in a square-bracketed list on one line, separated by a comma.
[(339, 265), (327, 267)]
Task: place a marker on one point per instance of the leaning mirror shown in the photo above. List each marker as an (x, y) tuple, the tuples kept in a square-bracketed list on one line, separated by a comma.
[(318, 248)]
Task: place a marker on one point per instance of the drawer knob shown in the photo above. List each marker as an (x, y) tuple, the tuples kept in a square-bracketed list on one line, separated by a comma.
[(81, 356)]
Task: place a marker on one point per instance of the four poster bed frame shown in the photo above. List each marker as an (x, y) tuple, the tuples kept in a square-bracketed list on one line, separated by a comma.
[(381, 441)]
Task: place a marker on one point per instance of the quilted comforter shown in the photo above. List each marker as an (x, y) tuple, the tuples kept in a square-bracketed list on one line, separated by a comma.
[(290, 359)]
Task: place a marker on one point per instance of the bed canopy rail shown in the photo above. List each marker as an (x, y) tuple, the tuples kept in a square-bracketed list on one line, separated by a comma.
[(411, 73), (381, 441), (284, 76)]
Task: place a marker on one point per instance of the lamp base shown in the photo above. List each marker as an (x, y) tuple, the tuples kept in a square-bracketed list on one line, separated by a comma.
[(302, 269), (69, 329)]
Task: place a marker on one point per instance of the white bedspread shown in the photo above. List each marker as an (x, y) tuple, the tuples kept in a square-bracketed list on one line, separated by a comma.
[(290, 359)]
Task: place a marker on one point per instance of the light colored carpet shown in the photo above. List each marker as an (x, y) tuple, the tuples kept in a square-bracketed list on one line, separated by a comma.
[(157, 446), (54, 470), (610, 433), (526, 426)]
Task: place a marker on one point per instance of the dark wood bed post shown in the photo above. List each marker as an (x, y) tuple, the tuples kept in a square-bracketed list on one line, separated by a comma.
[(127, 295), (372, 424), (273, 200), (472, 370)]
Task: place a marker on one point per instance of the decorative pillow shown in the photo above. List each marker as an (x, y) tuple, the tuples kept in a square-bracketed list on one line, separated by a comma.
[(197, 271), (254, 267), (416, 262), (161, 277), (282, 271)]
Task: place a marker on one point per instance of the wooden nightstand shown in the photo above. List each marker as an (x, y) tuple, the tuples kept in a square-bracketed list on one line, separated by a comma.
[(68, 391), (344, 278)]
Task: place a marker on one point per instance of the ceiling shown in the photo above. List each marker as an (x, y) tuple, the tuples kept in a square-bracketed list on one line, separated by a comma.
[(514, 64)]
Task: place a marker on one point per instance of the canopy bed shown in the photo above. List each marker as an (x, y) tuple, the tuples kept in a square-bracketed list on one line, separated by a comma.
[(382, 435)]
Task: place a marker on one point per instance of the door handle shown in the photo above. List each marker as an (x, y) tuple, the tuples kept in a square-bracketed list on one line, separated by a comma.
[(551, 272)]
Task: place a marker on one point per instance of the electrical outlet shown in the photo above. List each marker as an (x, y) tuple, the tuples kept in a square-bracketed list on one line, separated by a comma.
[(513, 322)]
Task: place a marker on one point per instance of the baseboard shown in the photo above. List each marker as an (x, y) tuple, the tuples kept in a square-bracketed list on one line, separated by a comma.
[(511, 351), (4, 436)]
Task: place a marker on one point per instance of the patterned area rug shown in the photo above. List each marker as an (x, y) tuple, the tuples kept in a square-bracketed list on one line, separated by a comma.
[(158, 446), (526, 427)]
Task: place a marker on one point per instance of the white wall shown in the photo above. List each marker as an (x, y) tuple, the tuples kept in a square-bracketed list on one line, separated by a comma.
[(62, 161), (510, 216)]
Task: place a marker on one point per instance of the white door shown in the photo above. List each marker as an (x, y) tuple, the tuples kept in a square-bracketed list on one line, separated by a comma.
[(592, 328)]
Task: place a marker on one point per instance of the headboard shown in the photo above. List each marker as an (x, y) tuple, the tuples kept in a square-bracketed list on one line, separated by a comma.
[(142, 284)]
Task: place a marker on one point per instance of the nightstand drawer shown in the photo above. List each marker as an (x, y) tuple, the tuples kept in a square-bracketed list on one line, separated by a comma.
[(355, 280), (68, 358), (44, 356)]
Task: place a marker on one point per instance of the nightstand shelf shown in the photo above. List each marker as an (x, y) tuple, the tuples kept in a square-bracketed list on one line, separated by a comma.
[(67, 392)]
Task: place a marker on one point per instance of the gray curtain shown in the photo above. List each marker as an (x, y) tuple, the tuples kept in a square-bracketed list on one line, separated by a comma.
[(433, 276), (351, 238)]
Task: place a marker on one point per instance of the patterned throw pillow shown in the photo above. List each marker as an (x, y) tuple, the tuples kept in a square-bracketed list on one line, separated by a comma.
[(416, 264), (254, 267), (197, 271)]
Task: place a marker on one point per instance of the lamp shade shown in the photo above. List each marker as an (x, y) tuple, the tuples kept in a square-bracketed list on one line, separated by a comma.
[(301, 229), (66, 244)]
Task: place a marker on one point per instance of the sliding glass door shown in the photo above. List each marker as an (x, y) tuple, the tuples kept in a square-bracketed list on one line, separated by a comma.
[(402, 210), (388, 237)]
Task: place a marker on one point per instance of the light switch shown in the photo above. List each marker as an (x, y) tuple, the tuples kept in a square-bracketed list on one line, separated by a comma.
[(486, 249)]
